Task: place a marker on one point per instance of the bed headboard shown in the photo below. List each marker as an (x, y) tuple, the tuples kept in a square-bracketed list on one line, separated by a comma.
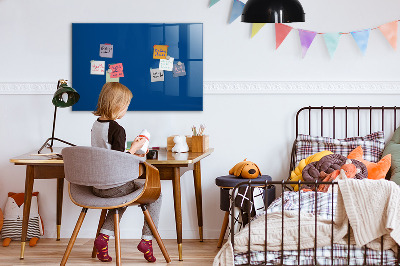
[(344, 121)]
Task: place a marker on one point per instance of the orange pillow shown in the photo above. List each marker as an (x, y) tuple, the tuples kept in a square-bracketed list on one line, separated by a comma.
[(375, 170)]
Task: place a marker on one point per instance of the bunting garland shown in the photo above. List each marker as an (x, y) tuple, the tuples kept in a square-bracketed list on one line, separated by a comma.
[(389, 30), (237, 9), (213, 2), (332, 41), (281, 31), (256, 27), (306, 39), (361, 37)]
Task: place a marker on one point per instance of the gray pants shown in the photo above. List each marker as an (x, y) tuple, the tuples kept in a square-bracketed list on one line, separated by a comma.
[(154, 208)]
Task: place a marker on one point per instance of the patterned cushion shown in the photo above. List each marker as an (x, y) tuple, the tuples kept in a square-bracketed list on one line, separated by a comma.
[(372, 144)]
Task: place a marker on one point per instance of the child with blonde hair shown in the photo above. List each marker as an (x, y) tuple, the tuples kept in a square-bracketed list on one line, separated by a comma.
[(113, 103)]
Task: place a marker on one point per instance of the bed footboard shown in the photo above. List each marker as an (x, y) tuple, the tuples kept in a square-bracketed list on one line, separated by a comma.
[(384, 257)]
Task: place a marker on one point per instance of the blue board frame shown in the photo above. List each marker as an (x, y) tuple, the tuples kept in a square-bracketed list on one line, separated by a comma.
[(133, 47)]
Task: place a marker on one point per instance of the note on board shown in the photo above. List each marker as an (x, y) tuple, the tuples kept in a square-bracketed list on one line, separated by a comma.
[(110, 79), (179, 70), (167, 64), (97, 67), (117, 71), (106, 50), (160, 51), (156, 75)]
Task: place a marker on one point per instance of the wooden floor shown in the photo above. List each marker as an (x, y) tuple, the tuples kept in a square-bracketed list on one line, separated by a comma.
[(50, 252)]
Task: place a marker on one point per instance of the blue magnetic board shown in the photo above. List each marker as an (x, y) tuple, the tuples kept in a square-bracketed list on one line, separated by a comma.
[(133, 47)]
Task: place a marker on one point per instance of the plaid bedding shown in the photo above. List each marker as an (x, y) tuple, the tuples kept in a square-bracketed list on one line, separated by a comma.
[(323, 207), (372, 145), (324, 257)]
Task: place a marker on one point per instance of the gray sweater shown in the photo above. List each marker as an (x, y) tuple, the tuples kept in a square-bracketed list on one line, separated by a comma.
[(110, 135)]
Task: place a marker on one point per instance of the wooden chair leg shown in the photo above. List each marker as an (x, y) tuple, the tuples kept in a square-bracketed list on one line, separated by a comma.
[(73, 237), (101, 222), (117, 238), (154, 230), (223, 229)]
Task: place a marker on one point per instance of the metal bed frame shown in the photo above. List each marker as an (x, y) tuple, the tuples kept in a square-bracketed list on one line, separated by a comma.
[(283, 184)]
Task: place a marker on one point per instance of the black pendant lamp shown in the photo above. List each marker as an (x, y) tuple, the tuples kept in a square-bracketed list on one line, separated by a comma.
[(273, 11)]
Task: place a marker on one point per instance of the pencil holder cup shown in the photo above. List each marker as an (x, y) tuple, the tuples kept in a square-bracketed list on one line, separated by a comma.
[(200, 143)]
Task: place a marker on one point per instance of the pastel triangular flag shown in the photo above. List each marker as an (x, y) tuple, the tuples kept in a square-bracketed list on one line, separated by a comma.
[(237, 9), (256, 28), (281, 31), (306, 39), (332, 41), (213, 2), (389, 30), (361, 37)]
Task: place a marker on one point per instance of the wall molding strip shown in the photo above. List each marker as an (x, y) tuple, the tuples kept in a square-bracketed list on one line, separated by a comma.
[(245, 87)]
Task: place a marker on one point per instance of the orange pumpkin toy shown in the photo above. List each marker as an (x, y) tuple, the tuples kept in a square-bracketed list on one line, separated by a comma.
[(245, 169)]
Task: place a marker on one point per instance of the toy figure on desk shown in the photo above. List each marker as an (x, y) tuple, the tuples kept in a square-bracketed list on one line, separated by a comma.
[(180, 144), (13, 214)]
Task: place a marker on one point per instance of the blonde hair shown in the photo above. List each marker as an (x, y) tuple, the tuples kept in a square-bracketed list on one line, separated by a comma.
[(112, 99)]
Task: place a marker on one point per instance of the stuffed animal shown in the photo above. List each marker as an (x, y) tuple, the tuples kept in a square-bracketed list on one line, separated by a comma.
[(375, 170), (328, 164), (1, 220), (296, 174), (348, 170), (245, 169), (180, 144), (13, 215)]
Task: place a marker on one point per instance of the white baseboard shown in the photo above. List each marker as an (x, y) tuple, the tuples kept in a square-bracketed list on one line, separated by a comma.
[(245, 87)]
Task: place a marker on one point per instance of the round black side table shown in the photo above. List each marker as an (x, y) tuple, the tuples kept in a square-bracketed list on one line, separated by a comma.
[(228, 182)]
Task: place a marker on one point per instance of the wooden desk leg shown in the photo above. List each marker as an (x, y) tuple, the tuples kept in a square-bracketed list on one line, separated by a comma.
[(27, 206), (176, 183), (60, 191), (199, 204)]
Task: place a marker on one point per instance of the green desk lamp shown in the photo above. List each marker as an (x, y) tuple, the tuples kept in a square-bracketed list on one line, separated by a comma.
[(64, 97)]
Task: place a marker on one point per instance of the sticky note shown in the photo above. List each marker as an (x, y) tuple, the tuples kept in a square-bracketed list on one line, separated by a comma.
[(160, 51), (106, 50), (167, 64), (116, 71), (179, 70), (97, 67), (156, 75), (110, 79)]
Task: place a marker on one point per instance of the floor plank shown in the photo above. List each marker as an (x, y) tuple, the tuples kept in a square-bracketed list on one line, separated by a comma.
[(50, 252)]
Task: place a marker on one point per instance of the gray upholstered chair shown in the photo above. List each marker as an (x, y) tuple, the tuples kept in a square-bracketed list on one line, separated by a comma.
[(85, 167)]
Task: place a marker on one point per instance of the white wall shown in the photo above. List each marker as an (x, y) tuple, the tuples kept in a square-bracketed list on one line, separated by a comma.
[(35, 43)]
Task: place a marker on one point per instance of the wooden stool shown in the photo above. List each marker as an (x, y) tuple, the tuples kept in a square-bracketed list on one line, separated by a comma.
[(226, 183)]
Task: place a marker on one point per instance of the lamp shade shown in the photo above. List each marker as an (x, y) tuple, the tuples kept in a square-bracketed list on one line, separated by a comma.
[(65, 96), (273, 11)]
